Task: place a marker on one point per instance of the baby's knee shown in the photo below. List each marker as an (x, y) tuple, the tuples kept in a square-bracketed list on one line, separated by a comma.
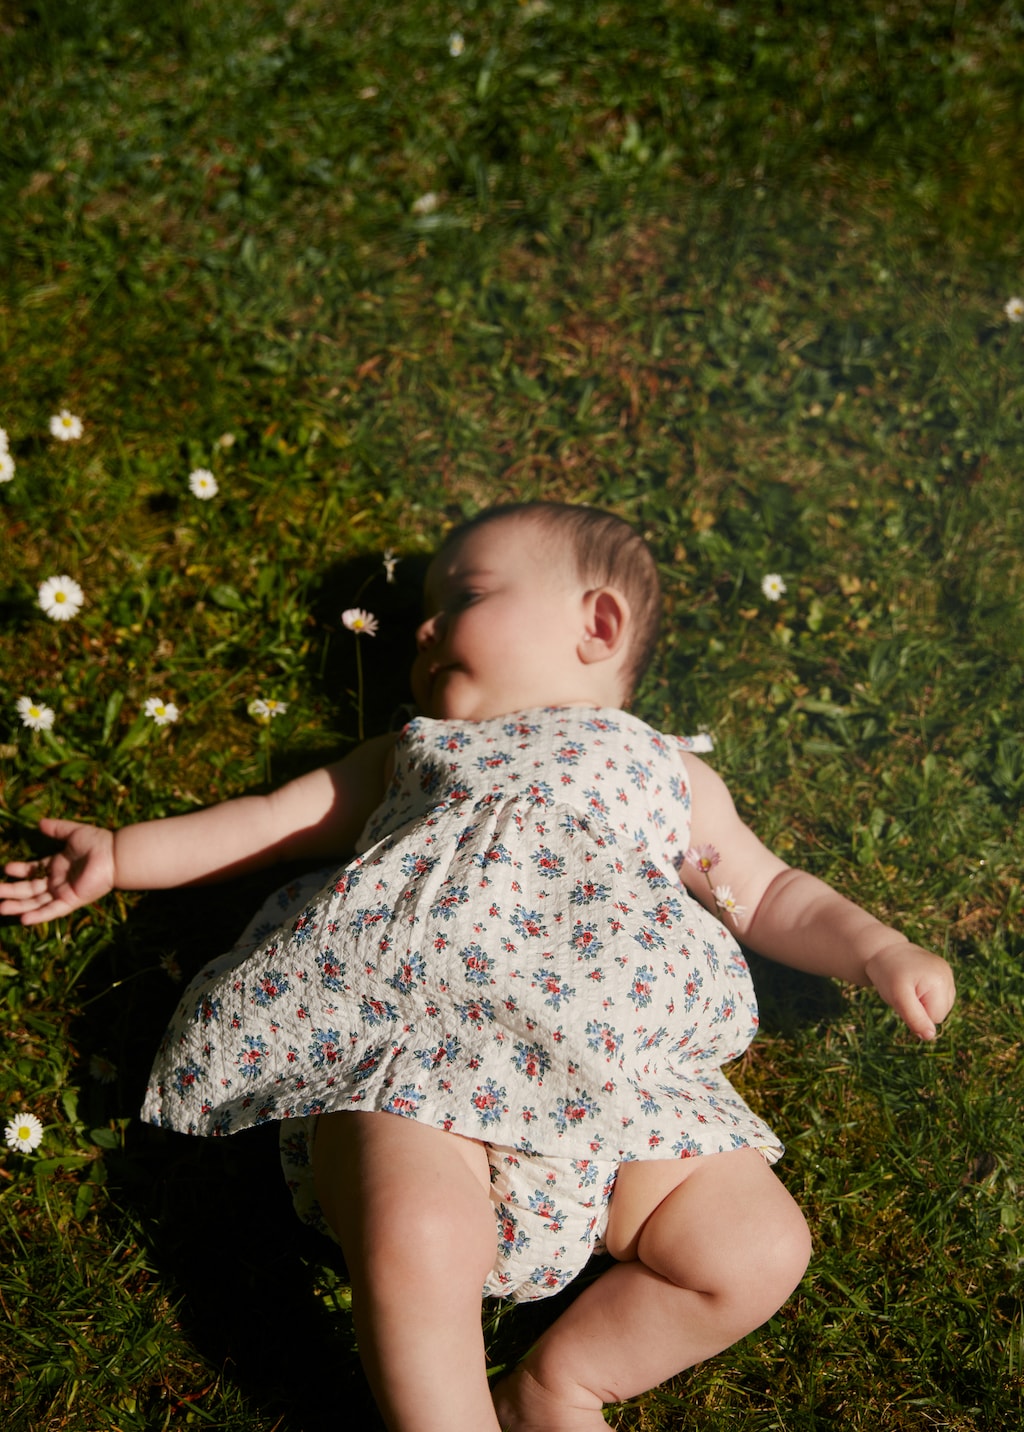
[(786, 1248), (734, 1233)]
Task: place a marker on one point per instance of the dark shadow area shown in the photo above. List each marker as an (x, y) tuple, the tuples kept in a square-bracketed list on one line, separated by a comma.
[(789, 1000)]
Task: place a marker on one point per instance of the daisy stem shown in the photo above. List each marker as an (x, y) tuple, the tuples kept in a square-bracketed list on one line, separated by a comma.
[(359, 692)]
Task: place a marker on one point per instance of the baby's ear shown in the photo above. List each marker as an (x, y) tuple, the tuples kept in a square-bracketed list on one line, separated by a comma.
[(606, 620)]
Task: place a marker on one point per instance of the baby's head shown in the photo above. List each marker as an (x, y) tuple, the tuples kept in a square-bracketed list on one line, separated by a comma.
[(542, 603)]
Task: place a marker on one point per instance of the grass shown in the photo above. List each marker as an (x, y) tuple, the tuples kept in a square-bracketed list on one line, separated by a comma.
[(738, 273)]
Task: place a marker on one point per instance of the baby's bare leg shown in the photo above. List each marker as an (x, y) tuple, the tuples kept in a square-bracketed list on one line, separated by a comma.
[(714, 1258), (411, 1208)]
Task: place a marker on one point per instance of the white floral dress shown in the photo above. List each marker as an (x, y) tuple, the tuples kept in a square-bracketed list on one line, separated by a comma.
[(511, 956)]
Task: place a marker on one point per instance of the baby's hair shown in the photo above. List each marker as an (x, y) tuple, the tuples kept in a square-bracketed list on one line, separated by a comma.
[(607, 551)]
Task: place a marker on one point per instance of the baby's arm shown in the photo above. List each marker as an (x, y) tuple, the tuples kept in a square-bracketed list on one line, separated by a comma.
[(320, 813), (795, 918)]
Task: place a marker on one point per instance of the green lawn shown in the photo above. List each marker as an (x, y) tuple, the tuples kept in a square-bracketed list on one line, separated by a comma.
[(741, 273)]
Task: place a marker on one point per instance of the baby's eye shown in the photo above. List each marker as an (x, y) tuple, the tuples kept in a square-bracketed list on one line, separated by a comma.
[(464, 598)]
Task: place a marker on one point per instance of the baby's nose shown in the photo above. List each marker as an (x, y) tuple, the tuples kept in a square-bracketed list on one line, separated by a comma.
[(426, 633)]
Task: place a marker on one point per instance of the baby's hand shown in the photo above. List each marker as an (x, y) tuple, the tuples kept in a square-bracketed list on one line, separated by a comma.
[(44, 889), (917, 984)]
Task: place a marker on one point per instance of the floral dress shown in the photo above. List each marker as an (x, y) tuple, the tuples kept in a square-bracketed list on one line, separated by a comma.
[(510, 956)]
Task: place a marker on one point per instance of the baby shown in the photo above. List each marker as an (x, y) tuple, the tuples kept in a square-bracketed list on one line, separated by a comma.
[(494, 1037)]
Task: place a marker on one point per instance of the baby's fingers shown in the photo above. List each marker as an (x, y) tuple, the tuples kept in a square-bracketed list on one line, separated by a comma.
[(24, 867), (32, 902)]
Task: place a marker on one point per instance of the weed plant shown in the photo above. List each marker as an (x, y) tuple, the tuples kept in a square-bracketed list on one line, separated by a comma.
[(742, 273)]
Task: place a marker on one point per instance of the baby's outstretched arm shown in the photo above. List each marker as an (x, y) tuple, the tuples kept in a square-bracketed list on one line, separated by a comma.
[(320, 813), (793, 917)]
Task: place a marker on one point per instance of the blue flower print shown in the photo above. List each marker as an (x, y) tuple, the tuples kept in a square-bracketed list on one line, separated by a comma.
[(477, 1012), (346, 883), (649, 939), (368, 1063), (551, 1279), (323, 1047), (251, 1055), (431, 778), (549, 865), (270, 985), (332, 971), (539, 793), (493, 760), (540, 1202), (511, 1238), (599, 723), (411, 972), (648, 1102), (692, 987), (585, 940), (447, 904), (477, 965), (589, 892), (640, 774), (186, 1077), (207, 1011), (654, 875), (377, 1011), (569, 754), (405, 1100), (665, 912), (642, 988), (596, 802), (557, 990), (304, 925), (603, 1036), (418, 864), (528, 923), (368, 916), (569, 1112), (726, 1010), (447, 1052), (453, 741), (533, 1060), (489, 1102), (496, 854), (586, 1171)]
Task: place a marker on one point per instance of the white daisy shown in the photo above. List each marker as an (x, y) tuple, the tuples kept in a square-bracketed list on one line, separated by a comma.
[(773, 586), (456, 44), (6, 466), (362, 623), (264, 709), (5, 442), (102, 1069), (65, 426), (170, 967), (427, 203), (61, 598), (24, 1133), (162, 712), (34, 714), (202, 484), (725, 900), (390, 563), (1014, 310)]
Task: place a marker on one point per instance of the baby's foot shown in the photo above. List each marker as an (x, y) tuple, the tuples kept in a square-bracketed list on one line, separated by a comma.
[(523, 1405)]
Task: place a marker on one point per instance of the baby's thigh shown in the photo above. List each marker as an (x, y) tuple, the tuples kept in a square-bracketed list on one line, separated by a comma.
[(382, 1179), (728, 1224)]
